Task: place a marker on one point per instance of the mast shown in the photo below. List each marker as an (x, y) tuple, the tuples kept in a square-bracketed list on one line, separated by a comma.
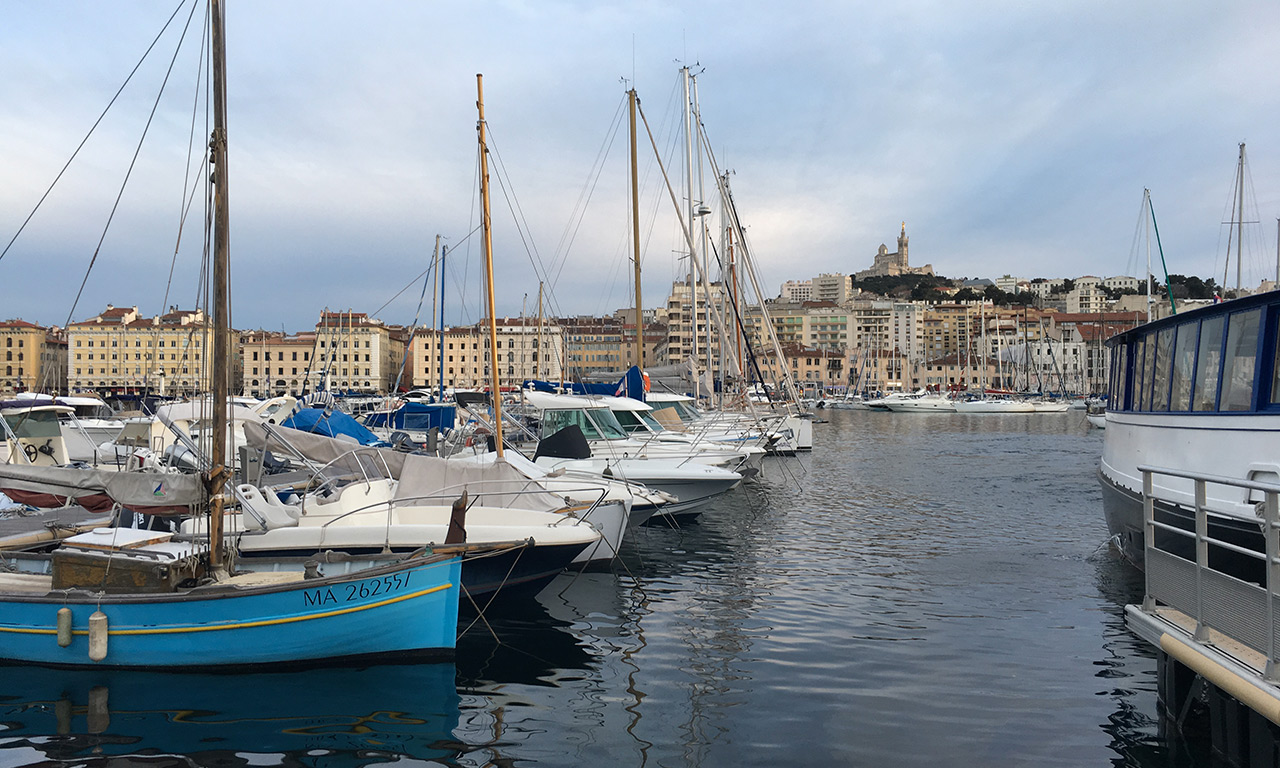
[(1240, 217), (539, 355), (496, 392), (693, 294), (635, 229), (1146, 204), (435, 291), (217, 476), (444, 252)]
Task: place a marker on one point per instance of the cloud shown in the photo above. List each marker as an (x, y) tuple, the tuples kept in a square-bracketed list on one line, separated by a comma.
[(1012, 138)]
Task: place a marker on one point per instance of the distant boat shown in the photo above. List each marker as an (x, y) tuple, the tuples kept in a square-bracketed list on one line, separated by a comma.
[(994, 405), (932, 403)]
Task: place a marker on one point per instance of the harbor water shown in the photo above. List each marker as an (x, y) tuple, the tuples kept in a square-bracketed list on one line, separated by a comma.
[(922, 589)]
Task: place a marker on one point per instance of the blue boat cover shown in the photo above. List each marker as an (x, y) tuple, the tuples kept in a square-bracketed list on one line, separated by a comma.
[(331, 424), (416, 416)]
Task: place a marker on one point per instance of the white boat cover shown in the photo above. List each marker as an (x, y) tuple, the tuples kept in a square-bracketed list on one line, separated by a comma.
[(488, 480)]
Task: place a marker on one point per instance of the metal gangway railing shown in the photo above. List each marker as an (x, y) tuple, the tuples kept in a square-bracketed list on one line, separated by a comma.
[(1228, 587)]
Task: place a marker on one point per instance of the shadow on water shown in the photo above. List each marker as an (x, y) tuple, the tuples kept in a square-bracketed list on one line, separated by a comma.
[(315, 717)]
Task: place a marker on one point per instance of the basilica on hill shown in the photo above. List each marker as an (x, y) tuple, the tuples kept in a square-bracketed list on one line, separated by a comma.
[(893, 264)]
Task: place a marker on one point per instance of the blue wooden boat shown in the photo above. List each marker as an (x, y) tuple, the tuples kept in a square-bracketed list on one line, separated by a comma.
[(407, 608)]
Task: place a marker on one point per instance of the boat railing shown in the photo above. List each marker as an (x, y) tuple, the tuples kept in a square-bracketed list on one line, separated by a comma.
[(358, 454), (1242, 604)]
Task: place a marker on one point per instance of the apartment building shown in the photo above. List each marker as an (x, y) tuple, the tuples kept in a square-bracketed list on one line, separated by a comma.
[(526, 350), (357, 352), (278, 363), (34, 358), (119, 351)]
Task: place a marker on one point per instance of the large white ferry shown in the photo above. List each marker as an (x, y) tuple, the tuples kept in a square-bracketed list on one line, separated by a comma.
[(1196, 391)]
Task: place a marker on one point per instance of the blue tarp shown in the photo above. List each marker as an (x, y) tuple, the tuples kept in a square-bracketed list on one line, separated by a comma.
[(416, 416), (331, 424)]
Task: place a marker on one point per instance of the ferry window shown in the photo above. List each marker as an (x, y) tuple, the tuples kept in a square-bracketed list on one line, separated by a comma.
[(1238, 363), (1208, 360), (1160, 377), (1147, 350), (1184, 351), (1120, 389)]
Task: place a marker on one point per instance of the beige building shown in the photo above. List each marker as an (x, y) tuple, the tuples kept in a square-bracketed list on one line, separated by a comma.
[(357, 352), (525, 351), (689, 332), (810, 368), (277, 364), (32, 358), (121, 352)]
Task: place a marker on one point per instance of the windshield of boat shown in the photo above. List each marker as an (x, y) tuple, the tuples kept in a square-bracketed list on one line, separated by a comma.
[(637, 422), (595, 423), (686, 410), (34, 424)]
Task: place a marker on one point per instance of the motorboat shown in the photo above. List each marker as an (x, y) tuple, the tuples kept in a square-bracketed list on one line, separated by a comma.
[(931, 403), (994, 405), (609, 439)]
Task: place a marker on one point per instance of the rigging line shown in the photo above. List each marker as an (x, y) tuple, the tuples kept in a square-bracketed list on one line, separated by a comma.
[(418, 277), (189, 200), (93, 128), (584, 196), (513, 205), (133, 162)]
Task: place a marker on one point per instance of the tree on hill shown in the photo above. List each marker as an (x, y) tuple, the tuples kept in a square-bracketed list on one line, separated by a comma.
[(904, 286), (1184, 287)]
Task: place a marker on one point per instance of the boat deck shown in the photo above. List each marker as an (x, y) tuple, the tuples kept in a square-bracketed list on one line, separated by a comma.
[(14, 522)]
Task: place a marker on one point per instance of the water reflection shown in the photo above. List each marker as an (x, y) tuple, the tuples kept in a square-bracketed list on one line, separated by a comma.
[(316, 717)]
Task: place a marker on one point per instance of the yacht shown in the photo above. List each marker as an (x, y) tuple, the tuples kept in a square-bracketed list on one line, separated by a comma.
[(931, 403)]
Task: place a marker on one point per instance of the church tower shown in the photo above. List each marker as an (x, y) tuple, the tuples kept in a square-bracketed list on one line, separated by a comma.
[(902, 246)]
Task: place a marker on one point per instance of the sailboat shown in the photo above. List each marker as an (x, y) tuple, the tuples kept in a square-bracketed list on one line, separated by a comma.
[(119, 597)]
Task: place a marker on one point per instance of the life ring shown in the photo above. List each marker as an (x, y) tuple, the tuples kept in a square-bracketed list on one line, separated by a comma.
[(646, 380)]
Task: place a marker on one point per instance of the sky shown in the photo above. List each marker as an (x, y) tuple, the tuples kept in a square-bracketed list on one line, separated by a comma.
[(1010, 137)]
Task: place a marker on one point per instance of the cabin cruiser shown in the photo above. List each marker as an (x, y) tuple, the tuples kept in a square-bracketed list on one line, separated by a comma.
[(1198, 391), (777, 433), (638, 420), (609, 439), (580, 435)]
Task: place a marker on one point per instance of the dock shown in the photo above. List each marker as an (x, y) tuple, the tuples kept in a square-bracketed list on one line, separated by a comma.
[(1213, 622)]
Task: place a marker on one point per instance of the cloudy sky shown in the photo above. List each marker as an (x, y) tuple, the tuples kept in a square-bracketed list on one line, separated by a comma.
[(1011, 137)]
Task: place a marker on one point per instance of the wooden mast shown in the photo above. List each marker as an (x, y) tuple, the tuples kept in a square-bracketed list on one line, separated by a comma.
[(217, 476), (635, 229), (488, 270)]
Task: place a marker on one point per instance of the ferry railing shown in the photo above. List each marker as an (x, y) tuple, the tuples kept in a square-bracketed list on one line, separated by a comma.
[(1239, 608)]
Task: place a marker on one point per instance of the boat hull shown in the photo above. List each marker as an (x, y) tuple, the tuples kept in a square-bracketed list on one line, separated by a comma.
[(408, 608), (1125, 522)]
